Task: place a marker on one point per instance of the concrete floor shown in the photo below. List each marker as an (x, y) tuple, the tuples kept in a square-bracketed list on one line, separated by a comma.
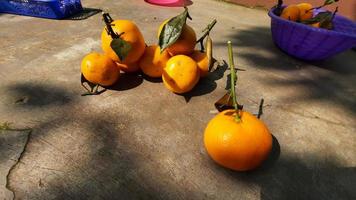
[(139, 141)]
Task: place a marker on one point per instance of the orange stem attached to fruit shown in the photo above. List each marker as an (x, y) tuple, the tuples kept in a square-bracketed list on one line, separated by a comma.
[(235, 138), (108, 20), (233, 82), (206, 32)]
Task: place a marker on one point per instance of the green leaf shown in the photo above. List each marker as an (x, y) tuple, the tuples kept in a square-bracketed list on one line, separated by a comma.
[(328, 2), (172, 30), (320, 17), (327, 22), (121, 47), (324, 18)]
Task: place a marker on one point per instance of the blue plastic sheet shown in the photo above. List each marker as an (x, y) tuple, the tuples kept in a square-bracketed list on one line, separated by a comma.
[(55, 9)]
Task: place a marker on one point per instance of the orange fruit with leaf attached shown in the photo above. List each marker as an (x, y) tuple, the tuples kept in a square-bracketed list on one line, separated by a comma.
[(129, 68), (305, 11), (186, 42), (291, 13), (153, 61), (99, 69), (181, 74), (202, 61), (238, 145), (131, 34)]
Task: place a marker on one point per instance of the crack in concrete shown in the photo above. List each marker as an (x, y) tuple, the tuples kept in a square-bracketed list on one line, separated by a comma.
[(50, 169), (75, 165), (313, 116), (310, 116), (17, 161)]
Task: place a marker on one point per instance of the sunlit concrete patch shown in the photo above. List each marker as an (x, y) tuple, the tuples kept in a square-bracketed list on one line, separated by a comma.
[(79, 49), (5, 18)]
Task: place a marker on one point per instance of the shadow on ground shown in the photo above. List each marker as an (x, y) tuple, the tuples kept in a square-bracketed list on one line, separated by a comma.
[(85, 14), (118, 171), (112, 166), (322, 86), (38, 95), (127, 81), (293, 178), (207, 84), (117, 164), (150, 79), (116, 168)]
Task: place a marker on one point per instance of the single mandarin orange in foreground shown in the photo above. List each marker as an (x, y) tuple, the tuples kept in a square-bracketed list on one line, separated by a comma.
[(186, 42), (181, 74), (305, 11), (129, 68), (203, 62), (291, 13), (100, 69), (237, 145), (131, 34), (153, 61)]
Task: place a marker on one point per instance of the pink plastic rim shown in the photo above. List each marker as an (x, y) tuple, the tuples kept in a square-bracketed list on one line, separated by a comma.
[(172, 3)]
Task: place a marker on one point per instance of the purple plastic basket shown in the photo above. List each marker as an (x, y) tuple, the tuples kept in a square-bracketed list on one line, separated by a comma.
[(54, 9), (310, 43)]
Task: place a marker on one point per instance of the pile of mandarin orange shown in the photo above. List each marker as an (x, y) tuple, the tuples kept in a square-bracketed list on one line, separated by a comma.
[(180, 66)]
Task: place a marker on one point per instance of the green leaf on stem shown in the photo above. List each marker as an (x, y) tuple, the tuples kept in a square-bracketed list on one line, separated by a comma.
[(324, 18), (120, 47), (327, 23), (328, 2), (172, 30), (318, 18)]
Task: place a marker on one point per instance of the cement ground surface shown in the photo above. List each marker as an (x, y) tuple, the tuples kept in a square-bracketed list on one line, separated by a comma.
[(139, 141)]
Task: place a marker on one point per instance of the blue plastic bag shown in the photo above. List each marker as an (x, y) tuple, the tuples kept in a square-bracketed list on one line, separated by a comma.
[(54, 9)]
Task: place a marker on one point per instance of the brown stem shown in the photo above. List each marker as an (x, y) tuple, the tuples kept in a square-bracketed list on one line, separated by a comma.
[(207, 30), (108, 20), (336, 10), (260, 110)]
